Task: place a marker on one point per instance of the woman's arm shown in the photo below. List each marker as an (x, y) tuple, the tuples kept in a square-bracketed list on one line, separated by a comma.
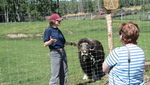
[(70, 43), (106, 68), (47, 43)]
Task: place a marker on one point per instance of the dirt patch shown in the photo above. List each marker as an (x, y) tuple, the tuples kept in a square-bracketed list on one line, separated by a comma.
[(70, 32), (22, 35), (134, 8), (5, 83), (69, 15)]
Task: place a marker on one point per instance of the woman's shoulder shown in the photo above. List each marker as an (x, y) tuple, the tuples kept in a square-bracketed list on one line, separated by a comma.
[(122, 49), (119, 48), (48, 28)]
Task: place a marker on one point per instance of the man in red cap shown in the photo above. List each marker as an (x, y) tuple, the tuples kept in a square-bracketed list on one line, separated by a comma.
[(55, 40)]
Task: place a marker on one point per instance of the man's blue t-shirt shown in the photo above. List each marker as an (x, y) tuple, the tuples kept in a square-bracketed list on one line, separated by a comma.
[(55, 33)]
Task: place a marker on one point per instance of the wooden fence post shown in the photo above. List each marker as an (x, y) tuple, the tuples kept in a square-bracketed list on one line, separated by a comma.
[(110, 31), (110, 5)]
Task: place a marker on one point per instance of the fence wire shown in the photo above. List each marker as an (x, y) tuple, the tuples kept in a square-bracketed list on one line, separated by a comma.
[(24, 60)]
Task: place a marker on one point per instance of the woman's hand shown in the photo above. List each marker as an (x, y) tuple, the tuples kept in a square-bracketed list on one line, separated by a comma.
[(50, 41), (74, 44)]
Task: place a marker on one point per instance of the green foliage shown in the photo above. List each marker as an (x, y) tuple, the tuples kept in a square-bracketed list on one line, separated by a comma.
[(36, 10), (128, 3), (146, 7)]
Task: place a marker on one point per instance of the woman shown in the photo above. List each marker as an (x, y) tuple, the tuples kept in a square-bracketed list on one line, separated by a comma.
[(54, 38), (125, 64)]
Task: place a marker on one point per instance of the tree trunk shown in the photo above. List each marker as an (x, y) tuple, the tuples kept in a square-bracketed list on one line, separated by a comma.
[(6, 15), (17, 18)]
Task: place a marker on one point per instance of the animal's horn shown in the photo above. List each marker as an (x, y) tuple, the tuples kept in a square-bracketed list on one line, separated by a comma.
[(92, 49)]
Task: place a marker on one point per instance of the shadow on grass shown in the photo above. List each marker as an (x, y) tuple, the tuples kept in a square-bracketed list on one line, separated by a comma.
[(86, 83)]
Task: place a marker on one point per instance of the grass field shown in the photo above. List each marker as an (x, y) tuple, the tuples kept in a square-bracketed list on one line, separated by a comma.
[(25, 61)]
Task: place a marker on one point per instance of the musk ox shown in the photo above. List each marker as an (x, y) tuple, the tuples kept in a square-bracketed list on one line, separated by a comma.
[(91, 57)]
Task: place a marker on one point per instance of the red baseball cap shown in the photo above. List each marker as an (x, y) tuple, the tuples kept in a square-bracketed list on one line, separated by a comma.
[(55, 17)]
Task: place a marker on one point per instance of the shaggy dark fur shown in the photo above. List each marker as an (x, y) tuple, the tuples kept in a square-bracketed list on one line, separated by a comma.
[(91, 56)]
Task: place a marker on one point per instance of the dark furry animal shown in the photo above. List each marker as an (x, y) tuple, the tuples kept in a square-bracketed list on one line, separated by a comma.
[(91, 56)]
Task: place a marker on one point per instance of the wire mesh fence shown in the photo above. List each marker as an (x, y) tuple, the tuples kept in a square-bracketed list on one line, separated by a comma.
[(23, 58)]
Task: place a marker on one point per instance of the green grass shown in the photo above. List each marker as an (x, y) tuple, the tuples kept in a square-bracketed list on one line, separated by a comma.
[(142, 15), (25, 61)]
